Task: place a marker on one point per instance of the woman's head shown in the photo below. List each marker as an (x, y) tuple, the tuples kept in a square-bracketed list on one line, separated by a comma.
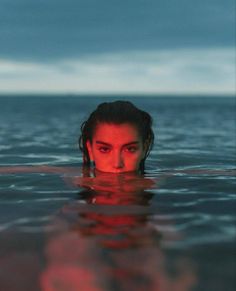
[(117, 137)]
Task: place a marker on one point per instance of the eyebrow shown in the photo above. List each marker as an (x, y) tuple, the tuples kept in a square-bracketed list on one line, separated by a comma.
[(108, 144)]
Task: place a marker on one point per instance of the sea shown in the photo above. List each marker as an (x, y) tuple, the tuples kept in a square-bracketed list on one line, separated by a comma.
[(171, 229)]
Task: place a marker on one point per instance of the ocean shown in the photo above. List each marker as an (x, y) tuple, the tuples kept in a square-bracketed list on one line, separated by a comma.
[(175, 233)]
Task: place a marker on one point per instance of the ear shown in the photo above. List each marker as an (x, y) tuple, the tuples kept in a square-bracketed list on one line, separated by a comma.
[(90, 152)]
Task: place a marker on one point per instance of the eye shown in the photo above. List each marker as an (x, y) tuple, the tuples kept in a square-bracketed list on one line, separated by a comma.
[(104, 149), (131, 149)]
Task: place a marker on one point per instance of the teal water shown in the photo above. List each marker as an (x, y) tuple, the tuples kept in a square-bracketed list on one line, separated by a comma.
[(178, 234)]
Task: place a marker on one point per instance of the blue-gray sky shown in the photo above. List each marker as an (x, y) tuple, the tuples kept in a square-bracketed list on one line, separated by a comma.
[(143, 46)]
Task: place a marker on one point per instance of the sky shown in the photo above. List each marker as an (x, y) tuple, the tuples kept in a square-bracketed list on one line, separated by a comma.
[(111, 46)]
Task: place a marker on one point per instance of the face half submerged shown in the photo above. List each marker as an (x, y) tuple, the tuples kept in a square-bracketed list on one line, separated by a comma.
[(116, 148)]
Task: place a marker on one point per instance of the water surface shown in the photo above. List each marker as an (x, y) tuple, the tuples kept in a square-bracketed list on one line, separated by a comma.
[(125, 233)]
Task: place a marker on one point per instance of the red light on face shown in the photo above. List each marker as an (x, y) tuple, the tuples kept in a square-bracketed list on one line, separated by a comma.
[(116, 148)]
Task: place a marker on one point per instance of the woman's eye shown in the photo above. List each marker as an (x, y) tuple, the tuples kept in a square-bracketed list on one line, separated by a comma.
[(104, 149), (131, 149)]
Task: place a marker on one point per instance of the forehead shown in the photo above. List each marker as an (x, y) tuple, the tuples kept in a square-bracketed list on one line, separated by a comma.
[(110, 133)]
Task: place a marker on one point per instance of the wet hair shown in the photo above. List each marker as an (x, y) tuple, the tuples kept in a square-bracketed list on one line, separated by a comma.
[(117, 112)]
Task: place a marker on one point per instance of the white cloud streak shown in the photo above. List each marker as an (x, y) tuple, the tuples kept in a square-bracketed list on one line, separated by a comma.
[(183, 71)]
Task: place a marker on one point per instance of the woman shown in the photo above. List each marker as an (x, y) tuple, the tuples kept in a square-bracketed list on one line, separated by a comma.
[(117, 138)]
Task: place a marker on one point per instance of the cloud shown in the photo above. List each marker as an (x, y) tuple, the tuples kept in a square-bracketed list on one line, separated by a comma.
[(153, 71), (45, 30)]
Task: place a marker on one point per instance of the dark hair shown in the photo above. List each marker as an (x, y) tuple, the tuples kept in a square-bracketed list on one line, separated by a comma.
[(117, 112)]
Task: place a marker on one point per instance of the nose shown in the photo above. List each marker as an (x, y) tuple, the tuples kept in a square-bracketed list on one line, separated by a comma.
[(118, 161)]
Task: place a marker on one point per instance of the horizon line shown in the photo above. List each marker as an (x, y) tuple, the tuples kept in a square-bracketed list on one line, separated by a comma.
[(124, 94)]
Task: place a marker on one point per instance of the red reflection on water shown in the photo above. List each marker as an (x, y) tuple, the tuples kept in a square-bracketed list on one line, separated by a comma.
[(108, 241), (94, 246)]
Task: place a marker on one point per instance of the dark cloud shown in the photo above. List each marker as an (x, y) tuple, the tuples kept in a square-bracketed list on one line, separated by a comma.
[(52, 29)]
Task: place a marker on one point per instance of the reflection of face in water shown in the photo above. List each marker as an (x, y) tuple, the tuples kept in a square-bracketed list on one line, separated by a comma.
[(110, 241), (123, 225), (116, 189)]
